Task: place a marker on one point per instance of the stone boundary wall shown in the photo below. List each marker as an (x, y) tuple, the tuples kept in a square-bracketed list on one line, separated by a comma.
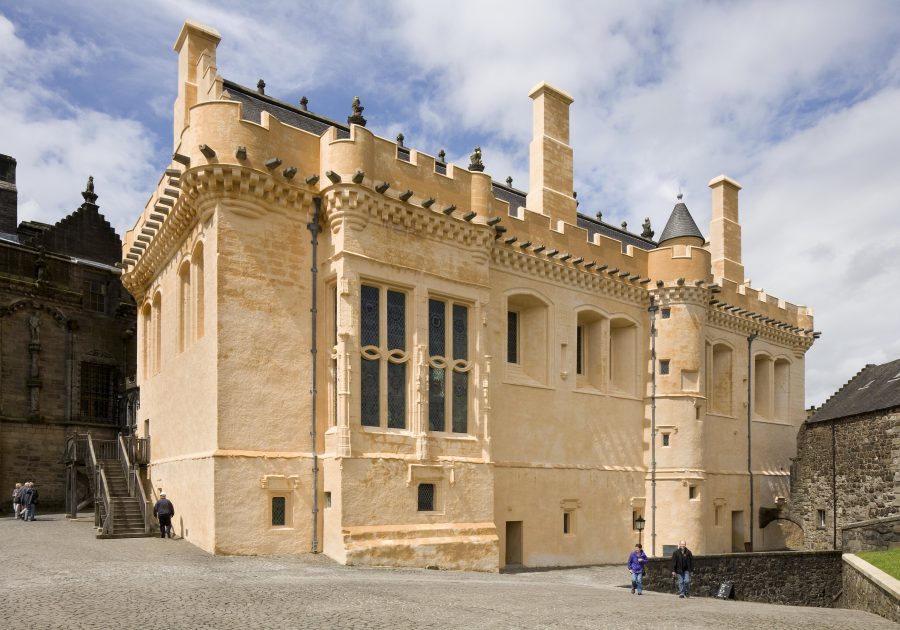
[(868, 588), (875, 535), (796, 578)]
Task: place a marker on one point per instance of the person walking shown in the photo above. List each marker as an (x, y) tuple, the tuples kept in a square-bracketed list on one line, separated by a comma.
[(682, 566), (163, 510), (636, 561), (29, 496), (17, 506)]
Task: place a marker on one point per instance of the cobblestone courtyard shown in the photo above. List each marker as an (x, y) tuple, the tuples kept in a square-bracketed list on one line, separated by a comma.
[(57, 575)]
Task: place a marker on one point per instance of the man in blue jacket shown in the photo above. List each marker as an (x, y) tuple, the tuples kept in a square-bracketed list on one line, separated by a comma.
[(636, 562)]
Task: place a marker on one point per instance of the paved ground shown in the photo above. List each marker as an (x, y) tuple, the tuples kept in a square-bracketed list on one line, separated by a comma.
[(57, 575)]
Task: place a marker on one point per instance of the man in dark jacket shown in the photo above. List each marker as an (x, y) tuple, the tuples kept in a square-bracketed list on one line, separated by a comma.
[(29, 497), (682, 565), (164, 511)]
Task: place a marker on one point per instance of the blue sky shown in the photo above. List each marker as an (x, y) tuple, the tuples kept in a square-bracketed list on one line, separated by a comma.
[(798, 101)]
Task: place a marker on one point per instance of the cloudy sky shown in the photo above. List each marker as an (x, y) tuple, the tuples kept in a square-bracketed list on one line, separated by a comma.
[(798, 101)]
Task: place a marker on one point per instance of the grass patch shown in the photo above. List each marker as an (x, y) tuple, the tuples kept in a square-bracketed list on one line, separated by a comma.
[(887, 561)]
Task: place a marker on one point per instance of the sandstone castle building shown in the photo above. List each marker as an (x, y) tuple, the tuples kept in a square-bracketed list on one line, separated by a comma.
[(67, 339), (351, 345)]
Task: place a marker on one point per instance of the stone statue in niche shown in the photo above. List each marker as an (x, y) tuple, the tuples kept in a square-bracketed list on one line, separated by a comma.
[(34, 325), (39, 264)]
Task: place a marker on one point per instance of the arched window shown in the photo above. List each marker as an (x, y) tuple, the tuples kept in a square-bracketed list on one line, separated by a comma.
[(157, 333), (184, 306), (591, 333), (199, 287), (527, 321), (782, 389), (762, 386), (721, 379), (622, 355)]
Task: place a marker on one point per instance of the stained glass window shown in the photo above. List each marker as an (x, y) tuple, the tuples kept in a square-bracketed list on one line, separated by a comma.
[(369, 316), (460, 402), (371, 375), (460, 332), (396, 320), (436, 328), (436, 396), (397, 395)]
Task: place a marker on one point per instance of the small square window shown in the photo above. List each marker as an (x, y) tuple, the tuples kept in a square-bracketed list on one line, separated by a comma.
[(693, 492), (820, 514), (665, 439), (327, 499), (426, 497), (666, 313), (664, 366), (278, 511)]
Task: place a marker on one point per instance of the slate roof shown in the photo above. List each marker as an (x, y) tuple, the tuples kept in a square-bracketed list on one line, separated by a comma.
[(255, 103), (875, 388), (680, 223)]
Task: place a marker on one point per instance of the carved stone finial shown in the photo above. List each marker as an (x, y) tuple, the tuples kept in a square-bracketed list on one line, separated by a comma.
[(400, 139), (442, 155), (624, 225), (680, 196), (647, 233), (475, 163), (509, 180), (261, 86), (88, 193), (356, 117), (599, 215), (303, 102)]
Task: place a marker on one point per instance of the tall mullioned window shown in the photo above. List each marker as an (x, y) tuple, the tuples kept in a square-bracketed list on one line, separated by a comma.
[(384, 357), (448, 366)]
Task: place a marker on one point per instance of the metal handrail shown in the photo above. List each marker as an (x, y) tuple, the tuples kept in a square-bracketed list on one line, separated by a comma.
[(109, 521), (126, 463), (144, 502)]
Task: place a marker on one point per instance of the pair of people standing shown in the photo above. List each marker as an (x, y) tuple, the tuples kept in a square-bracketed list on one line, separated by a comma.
[(682, 566), (25, 500)]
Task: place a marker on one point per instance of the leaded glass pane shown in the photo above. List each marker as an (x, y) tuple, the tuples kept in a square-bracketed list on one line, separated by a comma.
[(512, 337), (579, 350), (396, 320), (460, 332), (397, 395), (278, 511), (369, 413), (436, 396), (368, 316), (436, 328), (426, 497), (460, 402)]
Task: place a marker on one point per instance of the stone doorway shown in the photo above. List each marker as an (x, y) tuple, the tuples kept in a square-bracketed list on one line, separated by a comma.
[(737, 531), (513, 542)]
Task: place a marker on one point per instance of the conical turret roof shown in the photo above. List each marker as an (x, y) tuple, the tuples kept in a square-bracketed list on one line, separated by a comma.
[(681, 223)]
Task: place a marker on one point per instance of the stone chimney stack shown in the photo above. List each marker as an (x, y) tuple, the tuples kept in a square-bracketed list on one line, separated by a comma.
[(193, 41), (9, 196), (725, 230), (550, 156)]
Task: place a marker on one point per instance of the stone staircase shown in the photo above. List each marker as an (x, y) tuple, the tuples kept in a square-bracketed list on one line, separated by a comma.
[(128, 522)]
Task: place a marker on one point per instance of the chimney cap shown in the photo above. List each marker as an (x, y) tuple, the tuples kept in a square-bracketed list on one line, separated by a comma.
[(723, 179), (199, 29), (544, 87)]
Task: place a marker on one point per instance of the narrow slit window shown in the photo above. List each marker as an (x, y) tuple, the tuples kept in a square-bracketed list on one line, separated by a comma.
[(512, 337), (279, 512), (664, 366)]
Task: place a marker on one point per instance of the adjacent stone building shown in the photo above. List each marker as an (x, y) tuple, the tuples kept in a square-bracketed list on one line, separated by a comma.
[(67, 338), (350, 345), (848, 461)]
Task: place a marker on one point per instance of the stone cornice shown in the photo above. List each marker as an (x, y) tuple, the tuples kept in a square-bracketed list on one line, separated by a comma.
[(558, 272), (747, 322), (251, 194)]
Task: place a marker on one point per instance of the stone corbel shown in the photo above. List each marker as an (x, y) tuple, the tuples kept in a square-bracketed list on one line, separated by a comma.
[(278, 483)]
